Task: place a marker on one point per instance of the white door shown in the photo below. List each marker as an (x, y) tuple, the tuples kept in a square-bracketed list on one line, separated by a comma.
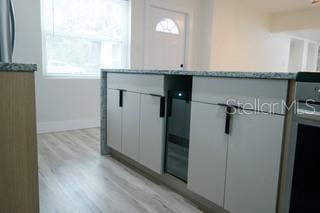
[(130, 125), (151, 133), (165, 39), (208, 151), (253, 163), (114, 119)]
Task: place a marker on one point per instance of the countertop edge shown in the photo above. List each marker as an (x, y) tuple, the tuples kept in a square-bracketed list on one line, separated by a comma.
[(222, 74), (17, 67)]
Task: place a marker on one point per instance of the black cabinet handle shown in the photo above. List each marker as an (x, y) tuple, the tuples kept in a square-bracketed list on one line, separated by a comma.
[(155, 95), (228, 118), (232, 106), (162, 106), (229, 112), (169, 107), (121, 91), (223, 105)]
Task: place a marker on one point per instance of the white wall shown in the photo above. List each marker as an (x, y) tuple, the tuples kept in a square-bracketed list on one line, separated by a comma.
[(242, 41), (61, 104), (295, 20)]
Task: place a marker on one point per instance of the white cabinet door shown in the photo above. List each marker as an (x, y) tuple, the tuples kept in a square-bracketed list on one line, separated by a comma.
[(114, 120), (130, 125), (253, 163), (151, 133), (208, 151)]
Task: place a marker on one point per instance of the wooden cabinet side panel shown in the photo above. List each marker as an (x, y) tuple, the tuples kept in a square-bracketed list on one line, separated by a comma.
[(18, 144)]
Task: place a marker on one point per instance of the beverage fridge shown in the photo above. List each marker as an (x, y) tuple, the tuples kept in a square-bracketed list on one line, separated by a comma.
[(178, 130)]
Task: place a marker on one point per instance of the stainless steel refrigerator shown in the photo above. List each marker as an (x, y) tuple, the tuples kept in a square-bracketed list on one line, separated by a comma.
[(7, 30)]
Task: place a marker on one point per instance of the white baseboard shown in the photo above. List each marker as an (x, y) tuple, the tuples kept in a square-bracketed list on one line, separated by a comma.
[(58, 126)]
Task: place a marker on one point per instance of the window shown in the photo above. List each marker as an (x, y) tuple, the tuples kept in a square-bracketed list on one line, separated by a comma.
[(83, 36), (167, 25)]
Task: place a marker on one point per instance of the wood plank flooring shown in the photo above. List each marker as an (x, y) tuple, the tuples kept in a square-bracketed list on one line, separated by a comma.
[(74, 177)]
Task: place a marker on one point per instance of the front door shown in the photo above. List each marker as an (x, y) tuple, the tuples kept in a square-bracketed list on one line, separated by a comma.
[(165, 39)]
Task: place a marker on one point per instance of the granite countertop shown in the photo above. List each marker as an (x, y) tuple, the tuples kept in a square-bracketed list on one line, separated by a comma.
[(7, 67), (225, 74)]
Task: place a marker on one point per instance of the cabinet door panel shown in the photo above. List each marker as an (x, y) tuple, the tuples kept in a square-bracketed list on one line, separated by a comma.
[(208, 150), (151, 133), (114, 120), (253, 163), (239, 91), (130, 125)]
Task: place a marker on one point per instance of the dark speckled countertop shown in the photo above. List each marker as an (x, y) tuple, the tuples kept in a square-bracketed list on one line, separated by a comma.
[(7, 67), (224, 74)]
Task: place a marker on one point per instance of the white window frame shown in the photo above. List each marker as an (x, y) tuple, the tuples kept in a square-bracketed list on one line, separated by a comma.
[(47, 75)]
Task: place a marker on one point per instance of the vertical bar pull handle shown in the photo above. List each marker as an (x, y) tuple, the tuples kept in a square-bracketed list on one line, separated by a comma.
[(162, 106), (169, 107), (228, 118), (121, 98)]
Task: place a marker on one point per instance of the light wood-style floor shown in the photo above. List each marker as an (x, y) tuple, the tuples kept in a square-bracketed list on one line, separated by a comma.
[(74, 177)]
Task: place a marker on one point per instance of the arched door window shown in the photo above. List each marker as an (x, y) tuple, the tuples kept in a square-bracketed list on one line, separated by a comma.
[(167, 25)]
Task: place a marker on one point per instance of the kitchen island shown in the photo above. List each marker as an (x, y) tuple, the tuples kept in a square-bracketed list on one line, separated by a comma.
[(230, 154)]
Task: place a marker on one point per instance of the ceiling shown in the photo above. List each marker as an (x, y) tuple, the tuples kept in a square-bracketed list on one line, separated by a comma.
[(312, 34), (273, 6)]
